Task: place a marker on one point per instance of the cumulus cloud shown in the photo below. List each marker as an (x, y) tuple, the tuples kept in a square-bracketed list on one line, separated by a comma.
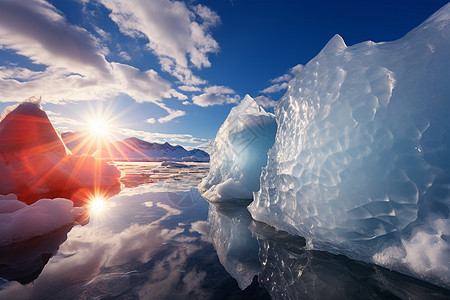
[(218, 89), (275, 88), (281, 82), (172, 115), (296, 69), (207, 99), (36, 30), (72, 61), (215, 95), (265, 102), (124, 55), (179, 36), (282, 78), (150, 120), (189, 88)]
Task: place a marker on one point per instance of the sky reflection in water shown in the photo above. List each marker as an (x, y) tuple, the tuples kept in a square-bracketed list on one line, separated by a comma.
[(159, 239), (149, 241)]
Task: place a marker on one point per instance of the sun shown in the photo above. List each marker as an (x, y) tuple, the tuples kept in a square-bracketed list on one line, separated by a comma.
[(99, 128)]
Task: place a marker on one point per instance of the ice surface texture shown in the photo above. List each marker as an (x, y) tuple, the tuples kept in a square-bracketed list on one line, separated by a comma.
[(238, 153), (35, 161), (20, 222), (361, 160)]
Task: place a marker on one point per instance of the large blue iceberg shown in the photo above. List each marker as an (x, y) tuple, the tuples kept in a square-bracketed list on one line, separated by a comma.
[(361, 160)]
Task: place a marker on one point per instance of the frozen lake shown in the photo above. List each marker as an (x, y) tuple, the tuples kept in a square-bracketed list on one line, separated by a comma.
[(159, 239)]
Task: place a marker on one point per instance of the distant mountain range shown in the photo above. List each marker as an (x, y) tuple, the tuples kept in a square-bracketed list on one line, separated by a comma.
[(132, 149)]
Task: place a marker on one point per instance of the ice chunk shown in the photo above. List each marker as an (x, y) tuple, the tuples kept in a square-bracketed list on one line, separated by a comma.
[(35, 161), (236, 248), (238, 152), (172, 164), (38, 219), (361, 162)]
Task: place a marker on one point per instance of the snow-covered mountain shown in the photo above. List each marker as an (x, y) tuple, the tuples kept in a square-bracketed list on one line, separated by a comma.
[(134, 149)]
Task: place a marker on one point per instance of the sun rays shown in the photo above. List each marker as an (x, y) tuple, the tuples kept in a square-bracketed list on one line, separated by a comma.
[(97, 205), (99, 128)]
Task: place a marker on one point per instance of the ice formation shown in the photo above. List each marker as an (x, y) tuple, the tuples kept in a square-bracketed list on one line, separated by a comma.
[(20, 222), (361, 160), (238, 153), (35, 161), (289, 271)]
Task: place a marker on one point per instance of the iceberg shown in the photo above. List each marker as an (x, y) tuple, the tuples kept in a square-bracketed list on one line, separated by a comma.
[(238, 153), (361, 160), (34, 161), (20, 222)]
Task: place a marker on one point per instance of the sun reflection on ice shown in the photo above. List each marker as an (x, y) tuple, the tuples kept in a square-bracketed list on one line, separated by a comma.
[(97, 205)]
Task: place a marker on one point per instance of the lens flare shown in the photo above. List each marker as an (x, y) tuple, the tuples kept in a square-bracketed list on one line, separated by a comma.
[(97, 205), (99, 128)]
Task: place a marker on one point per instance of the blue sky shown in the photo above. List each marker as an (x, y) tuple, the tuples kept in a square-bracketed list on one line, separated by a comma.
[(166, 70)]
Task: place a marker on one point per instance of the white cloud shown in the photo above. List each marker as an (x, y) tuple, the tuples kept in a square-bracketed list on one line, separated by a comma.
[(186, 103), (275, 88), (17, 73), (157, 137), (103, 34), (124, 55), (172, 115), (189, 88), (179, 36), (282, 78), (36, 30), (215, 95), (296, 69), (218, 89), (150, 120), (265, 102), (206, 99), (74, 62), (280, 83), (209, 17)]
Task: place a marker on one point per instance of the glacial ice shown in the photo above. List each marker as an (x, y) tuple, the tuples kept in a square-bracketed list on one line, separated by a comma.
[(361, 160), (34, 160), (238, 153), (20, 222), (287, 270)]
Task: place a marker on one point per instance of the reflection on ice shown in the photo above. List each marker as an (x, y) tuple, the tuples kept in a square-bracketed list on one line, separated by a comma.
[(292, 272), (97, 205), (23, 262), (287, 270), (144, 245), (236, 247)]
